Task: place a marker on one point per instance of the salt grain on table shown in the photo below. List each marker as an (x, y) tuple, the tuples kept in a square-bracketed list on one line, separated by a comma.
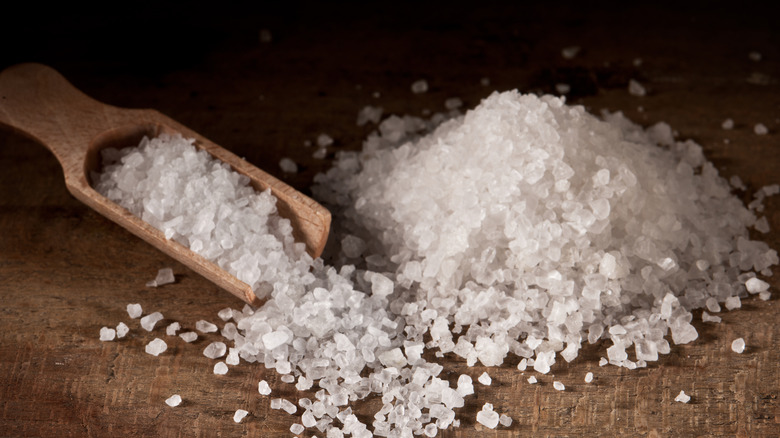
[(164, 276), (240, 415), (156, 347), (738, 345), (121, 330), (134, 310), (173, 401), (149, 321), (107, 334)]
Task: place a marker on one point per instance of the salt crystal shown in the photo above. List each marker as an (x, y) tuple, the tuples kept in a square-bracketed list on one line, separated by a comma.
[(288, 407), (107, 334), (263, 388), (288, 165), (559, 386), (733, 303), (288, 378), (682, 397), (220, 368), (764, 295), (485, 379), (225, 314), (532, 380), (760, 129), (523, 364), (172, 329), (134, 310), (369, 114), (189, 336), (232, 357), (465, 385), (324, 140), (205, 327), (706, 317), (297, 429), (121, 330), (636, 89), (156, 347), (570, 52), (240, 415), (275, 339), (487, 416), (173, 401), (149, 321), (562, 88), (420, 86), (505, 420), (727, 124), (738, 345), (453, 103), (588, 377), (215, 350), (164, 276), (755, 285), (603, 361)]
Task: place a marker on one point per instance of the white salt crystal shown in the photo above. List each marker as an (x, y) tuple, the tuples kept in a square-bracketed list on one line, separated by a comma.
[(682, 397), (727, 124), (369, 114), (453, 103), (288, 378), (288, 165), (107, 334), (215, 350), (487, 416), (755, 285), (121, 330), (635, 88), (204, 326), (603, 361), (505, 420), (240, 415), (324, 140), (532, 380), (297, 429), (164, 276), (172, 328), (765, 295), (485, 379), (189, 336), (588, 377), (420, 86), (263, 388), (156, 347), (276, 403), (308, 419), (706, 317), (220, 368), (232, 357), (760, 129), (173, 401), (523, 364), (149, 321), (225, 314), (465, 385), (275, 339), (570, 52), (304, 384), (738, 345), (762, 225), (559, 386), (288, 407), (134, 310), (733, 303), (562, 88)]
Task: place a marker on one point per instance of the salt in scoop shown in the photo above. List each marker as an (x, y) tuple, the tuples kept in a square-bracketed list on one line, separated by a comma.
[(40, 103)]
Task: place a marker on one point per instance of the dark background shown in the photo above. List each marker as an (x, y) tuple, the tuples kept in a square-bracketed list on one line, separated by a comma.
[(65, 271)]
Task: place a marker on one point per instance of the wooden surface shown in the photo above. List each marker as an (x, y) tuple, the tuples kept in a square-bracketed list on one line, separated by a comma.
[(66, 271)]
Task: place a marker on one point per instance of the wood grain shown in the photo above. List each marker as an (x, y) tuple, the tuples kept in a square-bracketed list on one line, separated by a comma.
[(66, 271)]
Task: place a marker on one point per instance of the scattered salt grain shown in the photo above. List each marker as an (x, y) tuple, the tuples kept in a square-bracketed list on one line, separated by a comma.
[(220, 368), (225, 314), (324, 140), (453, 103), (487, 416), (189, 336), (755, 285), (635, 88), (738, 345), (570, 52), (289, 407), (288, 378), (603, 361), (765, 295), (288, 165), (465, 385), (682, 397), (559, 386), (297, 429), (173, 401), (760, 129), (485, 379), (532, 380), (232, 357), (215, 350), (107, 334), (204, 326), (562, 88), (369, 114), (172, 328), (263, 388), (588, 377), (149, 321), (505, 420), (240, 415), (727, 124), (523, 364), (164, 276), (156, 347), (122, 330), (320, 153), (134, 310), (733, 303), (420, 86), (706, 317)]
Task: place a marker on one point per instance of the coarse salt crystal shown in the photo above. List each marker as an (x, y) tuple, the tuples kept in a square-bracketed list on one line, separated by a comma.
[(588, 377), (172, 328), (156, 347), (173, 401), (420, 86), (220, 368), (107, 334), (263, 388), (164, 276), (760, 129), (288, 165), (532, 380), (189, 336), (738, 345), (205, 327), (487, 416), (635, 88), (149, 321), (239, 415), (134, 310), (559, 386), (121, 330), (485, 379), (682, 397)]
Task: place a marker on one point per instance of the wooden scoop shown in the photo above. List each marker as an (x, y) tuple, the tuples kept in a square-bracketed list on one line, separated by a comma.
[(40, 103)]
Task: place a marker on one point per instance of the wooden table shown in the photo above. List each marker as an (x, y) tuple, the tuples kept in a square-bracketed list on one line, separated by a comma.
[(65, 271)]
